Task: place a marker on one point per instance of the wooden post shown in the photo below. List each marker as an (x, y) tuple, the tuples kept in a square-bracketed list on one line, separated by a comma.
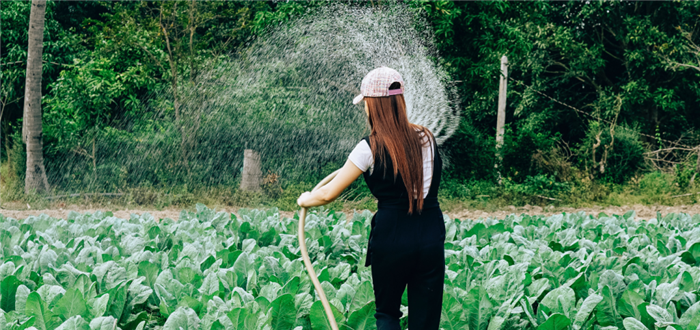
[(252, 173), (501, 120)]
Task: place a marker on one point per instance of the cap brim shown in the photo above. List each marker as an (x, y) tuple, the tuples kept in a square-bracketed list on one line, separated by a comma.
[(357, 99)]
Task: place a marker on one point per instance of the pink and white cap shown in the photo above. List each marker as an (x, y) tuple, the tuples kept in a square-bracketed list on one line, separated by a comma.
[(376, 84)]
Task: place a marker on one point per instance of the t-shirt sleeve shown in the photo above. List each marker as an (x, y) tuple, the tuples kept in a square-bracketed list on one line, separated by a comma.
[(361, 156)]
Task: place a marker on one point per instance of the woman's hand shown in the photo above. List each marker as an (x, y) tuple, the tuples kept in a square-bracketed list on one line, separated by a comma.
[(332, 190), (303, 199)]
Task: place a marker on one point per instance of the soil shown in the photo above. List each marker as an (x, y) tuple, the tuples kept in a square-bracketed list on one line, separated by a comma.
[(643, 211)]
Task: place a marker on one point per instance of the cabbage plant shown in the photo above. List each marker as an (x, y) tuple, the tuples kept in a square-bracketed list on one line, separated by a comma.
[(215, 270)]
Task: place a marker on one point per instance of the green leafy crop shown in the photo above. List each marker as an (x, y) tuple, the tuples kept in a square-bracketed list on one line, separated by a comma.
[(213, 270)]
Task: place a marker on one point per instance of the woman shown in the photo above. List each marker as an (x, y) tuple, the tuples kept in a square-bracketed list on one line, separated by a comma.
[(402, 169)]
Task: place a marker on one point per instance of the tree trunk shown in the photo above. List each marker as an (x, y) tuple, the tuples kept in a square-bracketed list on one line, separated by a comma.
[(252, 174), (35, 180), (192, 26), (172, 60)]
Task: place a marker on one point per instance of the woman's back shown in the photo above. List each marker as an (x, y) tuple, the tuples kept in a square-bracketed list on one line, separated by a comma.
[(390, 190), (362, 157)]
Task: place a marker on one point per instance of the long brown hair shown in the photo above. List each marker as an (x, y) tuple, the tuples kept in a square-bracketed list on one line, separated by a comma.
[(393, 134)]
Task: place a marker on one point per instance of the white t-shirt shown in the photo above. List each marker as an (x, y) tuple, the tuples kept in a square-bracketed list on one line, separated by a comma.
[(362, 157)]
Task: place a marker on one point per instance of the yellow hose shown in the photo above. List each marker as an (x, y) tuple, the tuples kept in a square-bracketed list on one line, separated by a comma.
[(307, 261)]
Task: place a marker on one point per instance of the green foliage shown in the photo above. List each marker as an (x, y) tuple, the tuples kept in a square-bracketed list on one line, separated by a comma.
[(477, 162), (106, 63), (656, 183), (519, 147), (60, 45), (583, 54), (684, 172), (216, 270), (621, 157), (89, 96), (539, 184)]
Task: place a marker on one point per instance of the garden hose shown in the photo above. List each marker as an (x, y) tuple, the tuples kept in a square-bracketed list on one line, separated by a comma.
[(307, 261)]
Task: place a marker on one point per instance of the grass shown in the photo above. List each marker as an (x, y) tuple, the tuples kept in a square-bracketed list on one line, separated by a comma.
[(656, 188)]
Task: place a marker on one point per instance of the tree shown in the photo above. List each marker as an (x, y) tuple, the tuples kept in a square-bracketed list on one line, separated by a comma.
[(121, 86), (178, 37), (587, 55), (35, 179), (690, 52)]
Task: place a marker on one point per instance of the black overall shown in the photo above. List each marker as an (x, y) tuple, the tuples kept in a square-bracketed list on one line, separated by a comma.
[(406, 250)]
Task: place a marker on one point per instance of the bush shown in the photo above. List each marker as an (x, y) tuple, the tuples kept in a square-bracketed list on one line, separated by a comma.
[(17, 156), (469, 154), (621, 162), (13, 169), (472, 189), (556, 161), (683, 172), (454, 189), (540, 184), (656, 183), (518, 149)]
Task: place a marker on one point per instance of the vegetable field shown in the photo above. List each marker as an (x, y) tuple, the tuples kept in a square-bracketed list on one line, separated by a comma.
[(210, 270)]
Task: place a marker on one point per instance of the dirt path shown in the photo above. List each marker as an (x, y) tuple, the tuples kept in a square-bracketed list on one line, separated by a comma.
[(643, 211)]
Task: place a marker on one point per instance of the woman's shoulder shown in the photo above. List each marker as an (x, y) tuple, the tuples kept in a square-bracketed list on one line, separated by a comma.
[(363, 144), (424, 133), (422, 129)]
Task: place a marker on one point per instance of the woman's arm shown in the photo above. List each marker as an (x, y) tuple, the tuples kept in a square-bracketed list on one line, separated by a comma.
[(333, 189)]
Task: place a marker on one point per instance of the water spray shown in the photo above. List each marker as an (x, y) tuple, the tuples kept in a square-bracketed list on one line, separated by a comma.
[(286, 96), (338, 46)]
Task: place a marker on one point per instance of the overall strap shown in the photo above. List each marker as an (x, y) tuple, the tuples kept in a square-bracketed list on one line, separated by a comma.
[(366, 139), (391, 192), (431, 198)]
